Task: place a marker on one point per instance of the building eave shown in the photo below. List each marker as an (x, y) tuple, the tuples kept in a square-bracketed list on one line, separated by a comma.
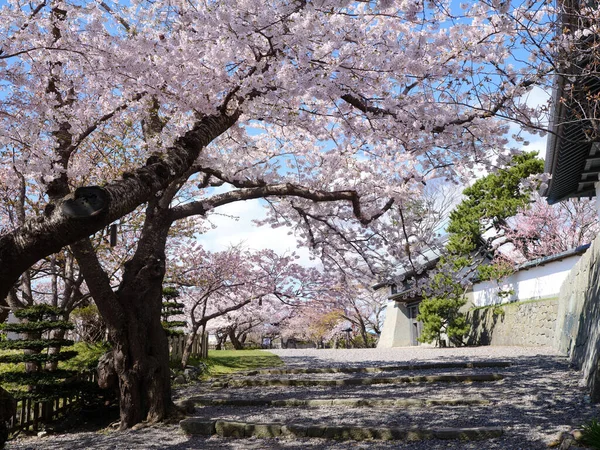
[(558, 112), (572, 158)]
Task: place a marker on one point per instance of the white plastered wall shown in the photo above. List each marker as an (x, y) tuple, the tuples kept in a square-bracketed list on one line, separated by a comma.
[(538, 282)]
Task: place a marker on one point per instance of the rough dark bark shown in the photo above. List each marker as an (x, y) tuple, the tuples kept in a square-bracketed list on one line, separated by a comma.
[(32, 336), (107, 374), (132, 315), (7, 410), (4, 310), (237, 344), (56, 334), (141, 350)]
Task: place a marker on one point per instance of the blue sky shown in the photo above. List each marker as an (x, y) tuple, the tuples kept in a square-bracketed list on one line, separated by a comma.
[(230, 231)]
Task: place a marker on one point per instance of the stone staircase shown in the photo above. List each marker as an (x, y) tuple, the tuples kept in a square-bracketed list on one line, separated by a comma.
[(410, 402)]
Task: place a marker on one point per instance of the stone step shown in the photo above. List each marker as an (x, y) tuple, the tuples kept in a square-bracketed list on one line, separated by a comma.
[(359, 381), (347, 402), (233, 429), (397, 368)]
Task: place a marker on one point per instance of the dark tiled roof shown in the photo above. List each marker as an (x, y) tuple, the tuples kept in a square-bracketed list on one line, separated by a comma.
[(548, 259), (572, 155)]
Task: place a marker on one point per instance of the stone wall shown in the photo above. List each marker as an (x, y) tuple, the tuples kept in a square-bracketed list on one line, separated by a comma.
[(521, 323), (578, 326)]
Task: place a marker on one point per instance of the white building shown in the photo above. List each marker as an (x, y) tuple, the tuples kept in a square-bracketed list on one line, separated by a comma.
[(533, 280)]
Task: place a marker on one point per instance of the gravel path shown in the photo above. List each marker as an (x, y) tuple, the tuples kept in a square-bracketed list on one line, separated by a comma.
[(538, 398), (364, 357)]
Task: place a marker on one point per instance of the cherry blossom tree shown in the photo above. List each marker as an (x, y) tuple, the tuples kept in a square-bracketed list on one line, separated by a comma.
[(316, 322), (73, 71), (54, 280), (214, 284), (361, 306), (335, 113), (542, 230), (253, 318)]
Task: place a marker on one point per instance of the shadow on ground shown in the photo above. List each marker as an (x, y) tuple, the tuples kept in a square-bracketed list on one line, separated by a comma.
[(538, 398)]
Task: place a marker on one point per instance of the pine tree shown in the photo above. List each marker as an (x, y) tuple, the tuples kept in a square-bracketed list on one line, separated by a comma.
[(490, 201), (40, 381), (440, 309), (171, 307)]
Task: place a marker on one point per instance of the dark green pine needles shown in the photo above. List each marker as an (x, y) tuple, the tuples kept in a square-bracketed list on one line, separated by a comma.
[(41, 379)]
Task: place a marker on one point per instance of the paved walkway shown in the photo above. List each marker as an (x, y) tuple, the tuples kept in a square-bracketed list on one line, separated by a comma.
[(531, 401)]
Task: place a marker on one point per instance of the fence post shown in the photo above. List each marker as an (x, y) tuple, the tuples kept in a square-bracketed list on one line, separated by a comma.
[(23, 412), (36, 415), (169, 342), (204, 345), (29, 412)]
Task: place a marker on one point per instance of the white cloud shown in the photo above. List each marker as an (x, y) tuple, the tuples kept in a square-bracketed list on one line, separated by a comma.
[(234, 225), (535, 98)]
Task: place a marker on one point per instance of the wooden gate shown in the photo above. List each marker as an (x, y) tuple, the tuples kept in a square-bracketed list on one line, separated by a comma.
[(415, 325)]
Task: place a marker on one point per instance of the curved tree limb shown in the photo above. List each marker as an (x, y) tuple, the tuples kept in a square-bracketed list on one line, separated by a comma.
[(47, 234)]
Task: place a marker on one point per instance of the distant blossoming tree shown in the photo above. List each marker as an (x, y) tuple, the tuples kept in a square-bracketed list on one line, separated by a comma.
[(215, 284), (541, 229)]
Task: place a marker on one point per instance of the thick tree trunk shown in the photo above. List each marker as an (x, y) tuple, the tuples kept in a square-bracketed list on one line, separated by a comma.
[(45, 234), (56, 334), (132, 315), (221, 339), (32, 336), (141, 345), (141, 362), (234, 340)]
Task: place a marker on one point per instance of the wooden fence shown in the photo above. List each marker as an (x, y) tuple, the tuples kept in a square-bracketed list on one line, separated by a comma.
[(30, 413), (177, 344)]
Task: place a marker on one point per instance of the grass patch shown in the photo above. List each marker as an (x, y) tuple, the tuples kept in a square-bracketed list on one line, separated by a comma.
[(7, 367), (87, 356), (86, 359), (223, 362), (591, 434)]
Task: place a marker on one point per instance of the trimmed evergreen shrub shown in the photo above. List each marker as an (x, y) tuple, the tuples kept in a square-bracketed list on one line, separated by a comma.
[(41, 380), (171, 307)]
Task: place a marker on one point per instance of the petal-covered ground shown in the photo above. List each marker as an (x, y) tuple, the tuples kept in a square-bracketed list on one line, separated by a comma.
[(538, 398)]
